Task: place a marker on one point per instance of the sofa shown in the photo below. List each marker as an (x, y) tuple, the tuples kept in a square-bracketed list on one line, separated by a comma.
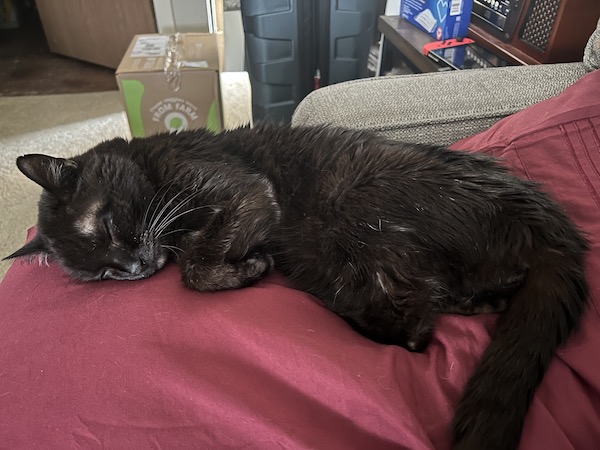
[(150, 363)]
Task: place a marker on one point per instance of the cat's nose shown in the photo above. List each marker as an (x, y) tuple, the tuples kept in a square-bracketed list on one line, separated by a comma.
[(133, 265), (136, 267), (142, 264), (145, 258), (139, 266)]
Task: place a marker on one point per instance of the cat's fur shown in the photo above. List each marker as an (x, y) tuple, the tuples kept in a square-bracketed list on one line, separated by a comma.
[(386, 234)]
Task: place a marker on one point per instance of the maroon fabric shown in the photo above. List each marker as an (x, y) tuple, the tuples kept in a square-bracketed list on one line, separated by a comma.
[(152, 364)]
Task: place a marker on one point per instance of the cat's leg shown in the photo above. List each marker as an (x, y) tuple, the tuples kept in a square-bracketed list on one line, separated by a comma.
[(214, 272), (405, 317), (412, 329), (228, 253), (485, 298)]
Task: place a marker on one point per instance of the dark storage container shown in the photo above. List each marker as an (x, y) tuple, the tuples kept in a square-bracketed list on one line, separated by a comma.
[(289, 41)]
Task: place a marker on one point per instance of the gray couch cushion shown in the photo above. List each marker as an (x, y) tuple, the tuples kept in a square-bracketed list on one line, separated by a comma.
[(438, 108), (591, 55)]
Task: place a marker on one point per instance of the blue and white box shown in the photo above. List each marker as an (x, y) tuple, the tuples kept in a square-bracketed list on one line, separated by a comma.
[(442, 19)]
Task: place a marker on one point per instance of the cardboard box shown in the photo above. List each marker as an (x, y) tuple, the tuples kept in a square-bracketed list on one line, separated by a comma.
[(171, 82), (442, 19)]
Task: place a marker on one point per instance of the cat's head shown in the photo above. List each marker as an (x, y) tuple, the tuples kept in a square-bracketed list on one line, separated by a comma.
[(93, 216)]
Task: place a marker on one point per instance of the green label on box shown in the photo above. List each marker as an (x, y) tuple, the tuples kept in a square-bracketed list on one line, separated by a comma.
[(133, 92), (212, 121)]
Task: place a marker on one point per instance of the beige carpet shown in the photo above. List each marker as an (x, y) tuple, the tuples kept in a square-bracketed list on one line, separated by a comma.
[(57, 125)]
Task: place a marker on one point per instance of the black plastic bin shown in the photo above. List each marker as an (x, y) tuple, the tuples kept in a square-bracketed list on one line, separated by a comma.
[(288, 41)]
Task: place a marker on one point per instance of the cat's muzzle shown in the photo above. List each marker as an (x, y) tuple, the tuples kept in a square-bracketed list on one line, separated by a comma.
[(142, 265)]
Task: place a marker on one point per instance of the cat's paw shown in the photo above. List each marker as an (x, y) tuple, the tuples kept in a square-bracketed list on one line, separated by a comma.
[(419, 342), (201, 276), (256, 266)]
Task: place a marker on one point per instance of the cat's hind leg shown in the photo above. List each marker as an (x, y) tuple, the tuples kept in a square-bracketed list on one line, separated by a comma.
[(485, 298), (404, 317), (410, 329)]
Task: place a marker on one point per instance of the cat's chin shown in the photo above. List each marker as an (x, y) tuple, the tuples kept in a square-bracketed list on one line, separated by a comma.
[(110, 273), (147, 271)]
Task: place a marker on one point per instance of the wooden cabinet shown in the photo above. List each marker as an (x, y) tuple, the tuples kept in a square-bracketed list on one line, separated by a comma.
[(95, 31)]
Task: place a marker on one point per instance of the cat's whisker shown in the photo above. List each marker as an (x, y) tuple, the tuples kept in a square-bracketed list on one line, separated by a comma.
[(173, 249), (145, 218), (164, 192), (163, 210), (157, 218), (166, 217), (180, 230), (160, 219), (166, 224), (336, 294)]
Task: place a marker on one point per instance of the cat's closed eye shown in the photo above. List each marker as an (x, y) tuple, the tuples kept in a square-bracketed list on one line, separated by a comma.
[(109, 228)]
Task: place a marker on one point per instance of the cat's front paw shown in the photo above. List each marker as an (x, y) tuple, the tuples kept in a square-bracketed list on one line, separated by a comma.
[(257, 265), (202, 276)]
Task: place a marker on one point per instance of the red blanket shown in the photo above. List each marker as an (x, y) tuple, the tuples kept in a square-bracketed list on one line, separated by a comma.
[(151, 364)]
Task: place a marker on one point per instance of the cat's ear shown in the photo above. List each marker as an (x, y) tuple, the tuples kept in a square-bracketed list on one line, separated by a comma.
[(56, 175), (35, 246)]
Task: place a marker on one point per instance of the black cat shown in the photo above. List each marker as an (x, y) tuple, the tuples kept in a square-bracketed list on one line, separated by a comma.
[(386, 234)]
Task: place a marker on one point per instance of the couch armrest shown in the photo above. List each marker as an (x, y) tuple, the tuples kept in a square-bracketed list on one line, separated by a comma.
[(436, 108)]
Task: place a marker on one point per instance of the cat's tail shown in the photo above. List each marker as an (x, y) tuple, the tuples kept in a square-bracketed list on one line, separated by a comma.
[(540, 318)]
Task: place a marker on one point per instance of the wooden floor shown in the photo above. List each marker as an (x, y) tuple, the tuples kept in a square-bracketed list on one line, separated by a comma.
[(28, 68)]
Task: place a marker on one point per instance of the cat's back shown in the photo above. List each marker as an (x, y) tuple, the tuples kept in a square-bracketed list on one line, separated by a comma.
[(328, 167), (345, 189), (312, 161)]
